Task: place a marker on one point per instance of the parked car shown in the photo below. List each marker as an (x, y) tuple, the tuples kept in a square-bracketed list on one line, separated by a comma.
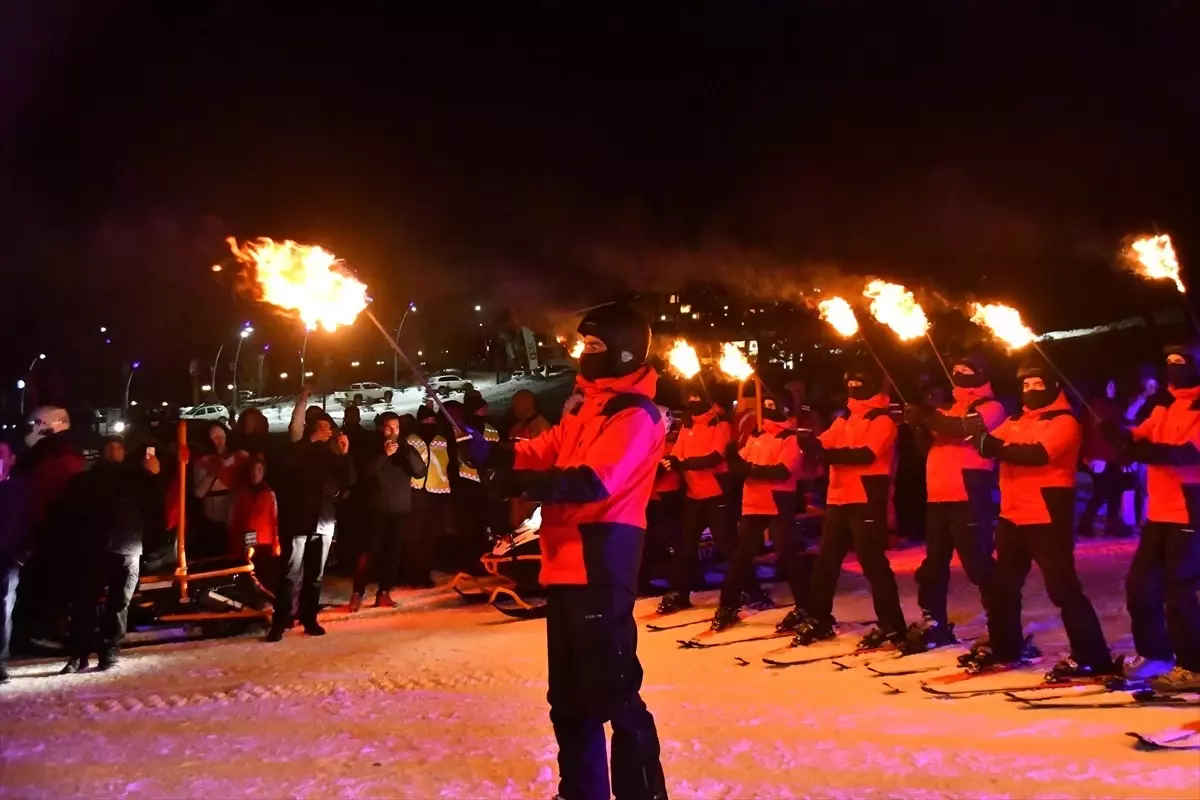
[(558, 372), (366, 393), (446, 385), (519, 375), (217, 413)]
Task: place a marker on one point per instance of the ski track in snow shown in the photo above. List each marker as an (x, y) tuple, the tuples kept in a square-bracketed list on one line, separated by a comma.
[(438, 700)]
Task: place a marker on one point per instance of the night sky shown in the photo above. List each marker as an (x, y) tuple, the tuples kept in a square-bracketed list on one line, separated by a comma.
[(544, 155)]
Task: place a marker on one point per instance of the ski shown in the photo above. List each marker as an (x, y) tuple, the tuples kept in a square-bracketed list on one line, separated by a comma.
[(1186, 737), (953, 693), (834, 657), (848, 661), (1141, 697), (896, 673), (746, 613), (659, 628), (697, 644)]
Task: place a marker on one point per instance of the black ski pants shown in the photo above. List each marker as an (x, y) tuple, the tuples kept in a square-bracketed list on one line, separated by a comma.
[(379, 551), (299, 593), (711, 513), (863, 525), (1166, 573), (1052, 546), (113, 577), (965, 528), (428, 526), (1107, 486), (791, 566), (595, 677)]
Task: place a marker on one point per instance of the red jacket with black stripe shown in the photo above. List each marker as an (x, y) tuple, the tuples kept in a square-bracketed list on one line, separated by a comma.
[(593, 473), (700, 450), (1168, 443), (1038, 452), (771, 460), (859, 449), (952, 461)]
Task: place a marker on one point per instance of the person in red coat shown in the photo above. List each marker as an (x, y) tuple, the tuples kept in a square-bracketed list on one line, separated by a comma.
[(255, 522)]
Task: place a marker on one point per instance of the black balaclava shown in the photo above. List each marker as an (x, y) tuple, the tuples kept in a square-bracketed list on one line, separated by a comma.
[(427, 426), (773, 409), (969, 372), (697, 405), (626, 337), (1181, 367), (869, 382), (1039, 398)]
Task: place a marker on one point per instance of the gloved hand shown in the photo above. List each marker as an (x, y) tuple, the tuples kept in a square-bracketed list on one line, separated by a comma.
[(807, 441), (974, 425), (473, 450)]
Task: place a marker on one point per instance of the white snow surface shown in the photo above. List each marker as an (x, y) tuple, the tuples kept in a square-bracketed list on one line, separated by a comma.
[(441, 700)]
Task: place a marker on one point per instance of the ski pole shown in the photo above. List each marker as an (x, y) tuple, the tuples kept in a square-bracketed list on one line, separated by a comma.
[(863, 337), (459, 433), (1066, 381), (942, 361)]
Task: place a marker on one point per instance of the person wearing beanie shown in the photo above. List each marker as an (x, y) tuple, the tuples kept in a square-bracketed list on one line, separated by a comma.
[(1038, 452), (431, 503), (476, 512)]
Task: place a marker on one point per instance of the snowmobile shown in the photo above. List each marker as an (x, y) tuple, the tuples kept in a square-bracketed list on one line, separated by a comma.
[(207, 597), (516, 560)]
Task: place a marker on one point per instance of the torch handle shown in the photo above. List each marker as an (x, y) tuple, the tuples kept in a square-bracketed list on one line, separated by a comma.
[(886, 374), (758, 401), (942, 361), (181, 537), (1067, 381), (458, 432)]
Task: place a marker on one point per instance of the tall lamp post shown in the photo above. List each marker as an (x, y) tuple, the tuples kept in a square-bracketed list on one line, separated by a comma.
[(261, 358), (395, 357), (213, 371), (129, 381), (23, 384), (242, 337)]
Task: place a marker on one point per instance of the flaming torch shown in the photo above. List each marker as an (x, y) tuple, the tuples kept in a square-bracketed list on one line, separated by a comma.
[(577, 349), (734, 364), (314, 285), (1153, 257), (1005, 324), (683, 359), (838, 313), (895, 306)]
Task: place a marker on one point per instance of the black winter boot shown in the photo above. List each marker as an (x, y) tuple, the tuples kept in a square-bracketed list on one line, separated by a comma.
[(725, 618), (672, 602), (811, 630)]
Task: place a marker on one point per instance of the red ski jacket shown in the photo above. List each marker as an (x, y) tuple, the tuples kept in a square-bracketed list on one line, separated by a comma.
[(951, 457), (593, 473), (254, 511), (700, 450), (858, 450), (774, 448), (1168, 442), (1038, 452)]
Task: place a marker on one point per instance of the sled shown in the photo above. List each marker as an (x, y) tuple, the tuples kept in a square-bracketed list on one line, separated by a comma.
[(214, 596), (515, 607)]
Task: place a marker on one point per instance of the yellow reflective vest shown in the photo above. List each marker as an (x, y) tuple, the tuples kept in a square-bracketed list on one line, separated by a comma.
[(436, 457), (469, 473)]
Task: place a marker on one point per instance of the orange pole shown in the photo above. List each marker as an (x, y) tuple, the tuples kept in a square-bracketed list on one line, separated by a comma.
[(181, 539), (758, 400)]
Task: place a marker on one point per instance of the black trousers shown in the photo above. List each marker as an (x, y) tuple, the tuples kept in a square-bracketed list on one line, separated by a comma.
[(299, 592), (113, 577), (863, 525), (964, 527), (379, 550), (1166, 573), (790, 565), (1052, 546), (1107, 486), (474, 515), (712, 513), (428, 526), (595, 677)]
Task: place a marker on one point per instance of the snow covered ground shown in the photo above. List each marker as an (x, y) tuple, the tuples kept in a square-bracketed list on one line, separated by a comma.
[(437, 699), (407, 400)]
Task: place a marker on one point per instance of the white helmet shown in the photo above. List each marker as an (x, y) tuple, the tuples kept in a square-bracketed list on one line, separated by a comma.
[(44, 421)]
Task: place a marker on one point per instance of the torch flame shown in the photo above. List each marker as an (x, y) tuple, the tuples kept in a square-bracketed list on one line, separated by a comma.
[(733, 362), (838, 313), (1155, 256), (304, 279), (895, 306), (683, 359), (577, 349), (1004, 322)]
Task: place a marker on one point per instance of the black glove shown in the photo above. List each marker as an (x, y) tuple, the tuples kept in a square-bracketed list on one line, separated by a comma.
[(474, 450), (974, 425), (807, 441)]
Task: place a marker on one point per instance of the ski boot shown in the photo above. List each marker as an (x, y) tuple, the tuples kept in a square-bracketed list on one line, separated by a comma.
[(879, 637), (672, 602), (1071, 670), (757, 599), (811, 630), (1176, 681), (792, 621), (313, 629), (108, 660), (74, 664), (983, 658), (1140, 670), (928, 634), (355, 602), (725, 618), (384, 600)]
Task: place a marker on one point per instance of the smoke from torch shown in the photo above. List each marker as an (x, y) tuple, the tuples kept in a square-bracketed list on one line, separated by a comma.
[(305, 280), (683, 359), (838, 313), (733, 362), (1004, 322), (1154, 257), (895, 306)]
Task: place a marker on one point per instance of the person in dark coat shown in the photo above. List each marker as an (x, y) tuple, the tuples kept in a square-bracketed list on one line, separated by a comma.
[(14, 545), (113, 505), (386, 486), (318, 470)]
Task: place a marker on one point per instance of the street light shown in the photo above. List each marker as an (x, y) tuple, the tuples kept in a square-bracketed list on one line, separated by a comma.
[(479, 308), (412, 309), (103, 329), (354, 363), (24, 384), (242, 337), (128, 381), (283, 376), (206, 387)]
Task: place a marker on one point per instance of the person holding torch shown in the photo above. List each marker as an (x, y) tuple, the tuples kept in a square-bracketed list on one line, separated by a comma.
[(593, 473)]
